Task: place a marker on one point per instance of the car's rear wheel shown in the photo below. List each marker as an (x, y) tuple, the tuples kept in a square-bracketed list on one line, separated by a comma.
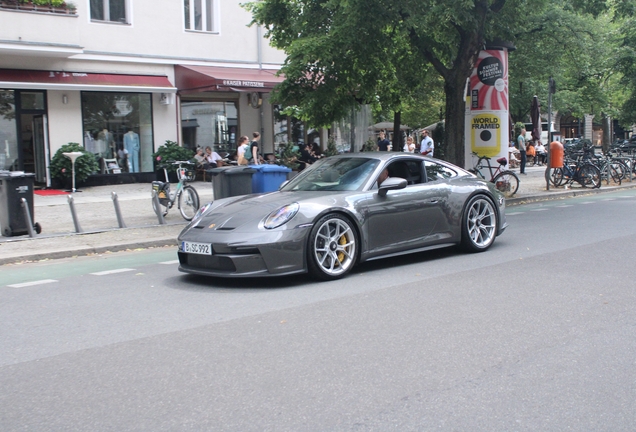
[(332, 249), (479, 224)]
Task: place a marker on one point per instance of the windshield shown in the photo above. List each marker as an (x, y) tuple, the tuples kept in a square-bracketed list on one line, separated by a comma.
[(334, 174)]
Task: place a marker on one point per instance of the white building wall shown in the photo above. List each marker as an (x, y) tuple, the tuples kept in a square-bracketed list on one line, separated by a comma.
[(151, 43)]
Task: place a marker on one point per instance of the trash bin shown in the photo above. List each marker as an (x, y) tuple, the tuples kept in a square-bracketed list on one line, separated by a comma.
[(15, 185), (268, 178), (231, 181)]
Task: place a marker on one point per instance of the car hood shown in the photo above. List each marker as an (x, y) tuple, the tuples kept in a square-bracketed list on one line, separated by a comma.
[(247, 212)]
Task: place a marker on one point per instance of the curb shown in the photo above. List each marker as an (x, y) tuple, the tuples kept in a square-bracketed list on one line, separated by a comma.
[(563, 194)]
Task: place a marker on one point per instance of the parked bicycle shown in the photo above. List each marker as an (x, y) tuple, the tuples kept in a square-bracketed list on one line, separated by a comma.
[(185, 196), (505, 181), (575, 170)]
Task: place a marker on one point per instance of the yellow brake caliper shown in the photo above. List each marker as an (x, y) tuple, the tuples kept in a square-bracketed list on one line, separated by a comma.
[(342, 241)]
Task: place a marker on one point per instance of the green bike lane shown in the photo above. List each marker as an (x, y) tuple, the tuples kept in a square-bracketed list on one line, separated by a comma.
[(50, 271)]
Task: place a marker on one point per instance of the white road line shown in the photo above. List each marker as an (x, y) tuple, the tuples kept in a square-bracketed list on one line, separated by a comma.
[(587, 202), (170, 262), (565, 205), (107, 272), (609, 199), (32, 283), (539, 209), (514, 214)]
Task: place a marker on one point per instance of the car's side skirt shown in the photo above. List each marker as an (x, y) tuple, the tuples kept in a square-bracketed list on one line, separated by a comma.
[(410, 251)]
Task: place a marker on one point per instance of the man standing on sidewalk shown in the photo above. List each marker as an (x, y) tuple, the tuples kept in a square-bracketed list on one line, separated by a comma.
[(521, 144), (426, 146)]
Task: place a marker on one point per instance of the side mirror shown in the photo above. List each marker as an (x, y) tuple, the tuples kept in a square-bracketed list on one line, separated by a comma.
[(283, 184), (391, 183)]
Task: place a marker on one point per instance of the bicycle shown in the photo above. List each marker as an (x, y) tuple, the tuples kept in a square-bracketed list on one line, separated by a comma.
[(505, 181), (185, 196), (575, 170)]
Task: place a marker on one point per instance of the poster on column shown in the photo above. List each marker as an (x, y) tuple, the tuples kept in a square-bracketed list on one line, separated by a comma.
[(487, 122)]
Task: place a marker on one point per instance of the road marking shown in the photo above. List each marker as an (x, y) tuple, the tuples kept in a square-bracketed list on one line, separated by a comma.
[(107, 272), (170, 262), (32, 283), (609, 199), (587, 202), (565, 205), (539, 209), (514, 214)]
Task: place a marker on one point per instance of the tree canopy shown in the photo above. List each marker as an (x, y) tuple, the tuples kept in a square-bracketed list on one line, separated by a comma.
[(391, 53)]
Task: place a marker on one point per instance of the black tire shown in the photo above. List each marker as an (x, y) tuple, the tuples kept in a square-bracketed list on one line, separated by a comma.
[(589, 176), (479, 224), (507, 183), (188, 202), (332, 249), (554, 175), (38, 227)]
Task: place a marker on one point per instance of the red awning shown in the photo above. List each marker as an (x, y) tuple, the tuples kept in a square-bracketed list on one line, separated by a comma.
[(190, 79), (55, 80)]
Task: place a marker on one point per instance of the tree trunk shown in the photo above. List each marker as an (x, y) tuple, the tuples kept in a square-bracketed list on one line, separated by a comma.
[(397, 133), (455, 120)]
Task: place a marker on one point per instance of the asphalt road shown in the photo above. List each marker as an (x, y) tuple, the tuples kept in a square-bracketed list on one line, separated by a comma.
[(535, 334)]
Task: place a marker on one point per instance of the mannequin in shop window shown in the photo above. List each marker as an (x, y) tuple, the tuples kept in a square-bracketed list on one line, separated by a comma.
[(105, 144), (131, 145)]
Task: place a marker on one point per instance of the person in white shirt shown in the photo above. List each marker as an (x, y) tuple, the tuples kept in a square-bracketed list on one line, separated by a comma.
[(213, 158), (243, 145), (427, 146), (409, 147), (540, 154)]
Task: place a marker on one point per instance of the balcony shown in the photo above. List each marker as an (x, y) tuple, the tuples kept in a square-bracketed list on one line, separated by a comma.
[(39, 6)]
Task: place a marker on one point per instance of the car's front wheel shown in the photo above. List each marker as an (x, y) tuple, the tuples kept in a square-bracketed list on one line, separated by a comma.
[(479, 224), (332, 249)]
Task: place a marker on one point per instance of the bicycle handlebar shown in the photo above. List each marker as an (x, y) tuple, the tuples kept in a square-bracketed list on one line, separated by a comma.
[(182, 162)]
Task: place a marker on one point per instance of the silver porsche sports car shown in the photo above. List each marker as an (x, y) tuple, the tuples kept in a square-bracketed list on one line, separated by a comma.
[(340, 211)]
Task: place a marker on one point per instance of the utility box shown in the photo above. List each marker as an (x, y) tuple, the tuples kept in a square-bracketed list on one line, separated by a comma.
[(15, 185)]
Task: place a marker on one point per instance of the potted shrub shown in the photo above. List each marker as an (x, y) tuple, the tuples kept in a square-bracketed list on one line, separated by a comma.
[(289, 156), (62, 168), (166, 155)]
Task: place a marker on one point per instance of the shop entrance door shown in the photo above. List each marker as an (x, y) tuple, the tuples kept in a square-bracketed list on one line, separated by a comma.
[(41, 149), (35, 157)]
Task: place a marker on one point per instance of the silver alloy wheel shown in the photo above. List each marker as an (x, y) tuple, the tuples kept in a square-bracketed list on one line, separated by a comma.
[(481, 223), (334, 246)]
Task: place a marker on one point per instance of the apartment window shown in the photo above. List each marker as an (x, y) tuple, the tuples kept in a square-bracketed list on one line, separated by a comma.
[(201, 15), (109, 10)]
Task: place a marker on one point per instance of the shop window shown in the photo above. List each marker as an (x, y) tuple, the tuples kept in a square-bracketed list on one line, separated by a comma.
[(201, 15), (8, 132), (109, 10), (119, 126), (289, 128), (209, 123)]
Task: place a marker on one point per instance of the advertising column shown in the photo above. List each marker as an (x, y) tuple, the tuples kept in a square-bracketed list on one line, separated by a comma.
[(487, 132)]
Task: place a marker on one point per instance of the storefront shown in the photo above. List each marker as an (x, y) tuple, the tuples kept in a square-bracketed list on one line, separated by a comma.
[(113, 116), (219, 104)]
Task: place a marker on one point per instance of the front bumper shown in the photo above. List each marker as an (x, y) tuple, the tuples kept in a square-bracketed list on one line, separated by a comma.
[(266, 253)]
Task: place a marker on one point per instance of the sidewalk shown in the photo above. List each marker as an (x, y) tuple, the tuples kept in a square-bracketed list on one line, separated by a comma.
[(97, 218)]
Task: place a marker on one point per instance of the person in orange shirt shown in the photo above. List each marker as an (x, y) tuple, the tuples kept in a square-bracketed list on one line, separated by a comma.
[(530, 151)]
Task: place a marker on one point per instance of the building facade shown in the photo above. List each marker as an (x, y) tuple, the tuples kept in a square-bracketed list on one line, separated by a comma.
[(121, 77)]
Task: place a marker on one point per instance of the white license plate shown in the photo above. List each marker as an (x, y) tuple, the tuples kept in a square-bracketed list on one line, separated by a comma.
[(196, 248)]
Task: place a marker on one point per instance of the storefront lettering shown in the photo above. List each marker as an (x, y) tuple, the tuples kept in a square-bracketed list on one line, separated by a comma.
[(238, 83)]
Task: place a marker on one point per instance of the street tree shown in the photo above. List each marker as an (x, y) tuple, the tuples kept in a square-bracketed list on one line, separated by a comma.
[(342, 51)]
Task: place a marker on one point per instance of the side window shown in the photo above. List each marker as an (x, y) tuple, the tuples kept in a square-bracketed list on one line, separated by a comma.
[(201, 15), (109, 10), (436, 171)]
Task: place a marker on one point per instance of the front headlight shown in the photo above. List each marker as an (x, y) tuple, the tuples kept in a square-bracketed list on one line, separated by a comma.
[(200, 212), (281, 216)]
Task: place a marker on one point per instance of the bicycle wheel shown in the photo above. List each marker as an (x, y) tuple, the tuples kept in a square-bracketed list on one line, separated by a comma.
[(554, 175), (589, 176), (188, 201), (507, 183)]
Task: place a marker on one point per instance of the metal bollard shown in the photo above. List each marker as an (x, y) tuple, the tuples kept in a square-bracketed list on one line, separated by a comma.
[(157, 206), (27, 216), (120, 219), (71, 203)]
